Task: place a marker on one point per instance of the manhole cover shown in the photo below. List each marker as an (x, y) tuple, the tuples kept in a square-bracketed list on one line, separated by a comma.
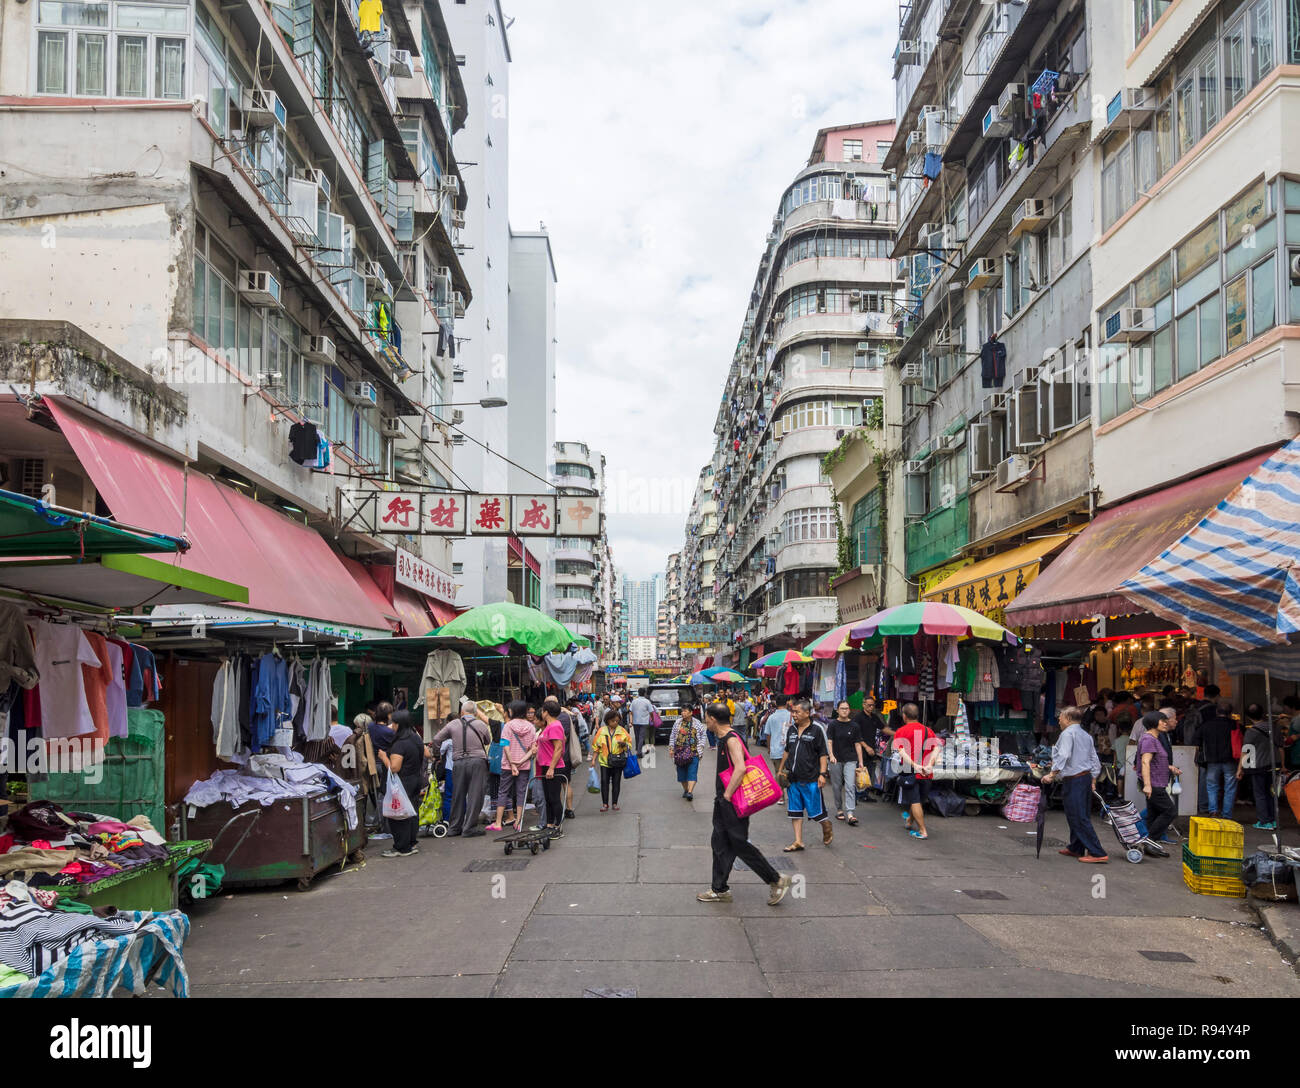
[(502, 865), (982, 893), (781, 865), (606, 991), (1166, 957)]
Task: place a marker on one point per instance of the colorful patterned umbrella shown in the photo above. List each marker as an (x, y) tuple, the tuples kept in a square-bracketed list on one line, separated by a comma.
[(934, 618), (701, 677), (726, 676), (781, 657), (836, 641)]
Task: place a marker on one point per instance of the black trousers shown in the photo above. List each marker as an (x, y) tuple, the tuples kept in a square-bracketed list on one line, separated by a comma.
[(610, 780), (731, 841), (404, 832), (553, 791), (1161, 810)]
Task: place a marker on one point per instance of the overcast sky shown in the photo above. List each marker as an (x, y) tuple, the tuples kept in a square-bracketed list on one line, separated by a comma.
[(654, 140)]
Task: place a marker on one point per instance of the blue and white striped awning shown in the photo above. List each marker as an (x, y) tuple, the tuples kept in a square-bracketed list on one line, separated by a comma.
[(1233, 577)]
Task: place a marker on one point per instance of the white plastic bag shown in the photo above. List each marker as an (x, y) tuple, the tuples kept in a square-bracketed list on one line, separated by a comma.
[(397, 806)]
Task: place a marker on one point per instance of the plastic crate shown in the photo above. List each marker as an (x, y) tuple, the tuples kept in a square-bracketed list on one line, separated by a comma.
[(1213, 838), (1214, 885), (1226, 868)]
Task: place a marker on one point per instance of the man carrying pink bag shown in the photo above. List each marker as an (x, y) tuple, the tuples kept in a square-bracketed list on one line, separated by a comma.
[(744, 785)]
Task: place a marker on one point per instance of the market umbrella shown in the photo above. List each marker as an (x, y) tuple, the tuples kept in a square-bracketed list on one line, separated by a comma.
[(781, 657), (836, 641), (493, 625), (933, 618), (701, 677), (725, 676)]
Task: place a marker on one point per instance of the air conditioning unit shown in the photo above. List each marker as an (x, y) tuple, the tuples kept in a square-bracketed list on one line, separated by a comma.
[(1012, 92), (995, 124), (450, 183), (392, 427), (932, 119), (912, 374), (914, 468), (259, 288), (949, 441), (262, 107), (1131, 106), (994, 403), (457, 417), (458, 373), (931, 237), (362, 393), (458, 440), (460, 304), (320, 349), (1294, 255), (1013, 471), (1130, 323), (947, 338), (984, 273), (399, 64), (270, 379), (319, 177), (915, 139), (773, 238), (373, 271), (1029, 217), (908, 52)]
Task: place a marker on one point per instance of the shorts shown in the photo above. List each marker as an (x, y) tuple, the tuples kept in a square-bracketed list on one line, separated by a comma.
[(690, 772), (913, 790), (805, 802)]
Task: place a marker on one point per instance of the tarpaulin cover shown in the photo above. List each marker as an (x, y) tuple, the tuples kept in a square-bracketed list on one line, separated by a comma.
[(288, 568)]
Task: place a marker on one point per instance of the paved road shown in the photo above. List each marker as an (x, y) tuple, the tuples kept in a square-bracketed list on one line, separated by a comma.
[(612, 907)]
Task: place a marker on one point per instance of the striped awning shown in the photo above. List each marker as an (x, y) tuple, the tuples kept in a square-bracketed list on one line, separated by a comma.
[(1233, 577)]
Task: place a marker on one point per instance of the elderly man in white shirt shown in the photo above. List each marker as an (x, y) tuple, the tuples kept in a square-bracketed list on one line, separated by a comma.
[(1076, 766)]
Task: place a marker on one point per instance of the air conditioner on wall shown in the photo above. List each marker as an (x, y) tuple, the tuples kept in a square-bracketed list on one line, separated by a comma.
[(1013, 471), (1011, 93), (262, 107), (908, 52), (400, 63), (320, 349), (391, 427), (912, 374), (986, 272), (1129, 323), (949, 441), (362, 393), (914, 468), (270, 379), (995, 125), (1029, 216), (260, 289), (450, 183)]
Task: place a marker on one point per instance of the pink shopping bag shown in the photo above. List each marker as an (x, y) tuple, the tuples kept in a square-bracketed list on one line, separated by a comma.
[(758, 788)]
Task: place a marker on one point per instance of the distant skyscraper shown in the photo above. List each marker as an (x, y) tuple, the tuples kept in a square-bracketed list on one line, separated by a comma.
[(641, 599)]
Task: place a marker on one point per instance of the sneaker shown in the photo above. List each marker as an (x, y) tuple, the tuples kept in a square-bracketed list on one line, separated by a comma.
[(474, 831), (397, 853), (690, 797), (569, 814), (494, 827), (381, 835), (1264, 827), (1154, 850), (718, 897), (778, 890), (454, 832)]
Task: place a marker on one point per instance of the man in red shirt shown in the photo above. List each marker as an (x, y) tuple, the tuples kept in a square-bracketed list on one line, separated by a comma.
[(918, 748)]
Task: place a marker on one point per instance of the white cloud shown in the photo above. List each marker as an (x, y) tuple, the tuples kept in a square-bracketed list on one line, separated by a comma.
[(655, 141)]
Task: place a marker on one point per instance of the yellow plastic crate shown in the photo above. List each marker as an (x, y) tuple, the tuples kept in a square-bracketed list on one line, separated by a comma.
[(1226, 887), (1213, 838)]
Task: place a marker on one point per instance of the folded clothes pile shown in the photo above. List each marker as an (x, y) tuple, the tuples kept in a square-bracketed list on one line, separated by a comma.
[(46, 845), (271, 778)]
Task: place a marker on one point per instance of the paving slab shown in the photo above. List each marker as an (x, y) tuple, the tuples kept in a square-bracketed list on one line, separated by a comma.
[(838, 944), (419, 986), (678, 900), (649, 979), (976, 982), (662, 938)]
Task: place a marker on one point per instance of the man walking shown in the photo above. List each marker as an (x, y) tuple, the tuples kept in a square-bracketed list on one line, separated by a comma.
[(919, 748), (731, 833), (804, 766), (641, 711), (470, 739), (1214, 729), (1076, 766), (774, 729)]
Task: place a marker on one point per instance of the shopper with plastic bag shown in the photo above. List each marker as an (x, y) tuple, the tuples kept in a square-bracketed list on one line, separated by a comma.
[(405, 762)]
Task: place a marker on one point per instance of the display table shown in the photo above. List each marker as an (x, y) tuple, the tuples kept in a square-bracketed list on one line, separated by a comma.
[(145, 887), (1001, 777)]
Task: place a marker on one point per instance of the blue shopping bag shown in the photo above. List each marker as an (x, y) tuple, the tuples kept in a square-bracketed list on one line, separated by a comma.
[(633, 767)]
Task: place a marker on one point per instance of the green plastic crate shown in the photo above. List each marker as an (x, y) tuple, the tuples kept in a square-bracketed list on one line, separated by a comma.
[(1219, 868), (133, 780)]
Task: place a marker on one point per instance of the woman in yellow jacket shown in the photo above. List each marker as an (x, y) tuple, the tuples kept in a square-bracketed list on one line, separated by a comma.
[(611, 740)]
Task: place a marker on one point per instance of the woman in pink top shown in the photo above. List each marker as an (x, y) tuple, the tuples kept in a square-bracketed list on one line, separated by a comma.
[(550, 762), (516, 764)]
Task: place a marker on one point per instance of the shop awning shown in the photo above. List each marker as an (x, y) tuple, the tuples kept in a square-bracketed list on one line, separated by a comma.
[(362, 576), (442, 613), (114, 581), (288, 568), (29, 527), (1233, 577), (411, 610), (993, 583), (1085, 579)]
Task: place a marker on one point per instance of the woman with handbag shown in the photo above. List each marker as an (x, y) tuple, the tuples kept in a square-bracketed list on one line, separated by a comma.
[(520, 741), (551, 767), (610, 747), (405, 759), (687, 746)]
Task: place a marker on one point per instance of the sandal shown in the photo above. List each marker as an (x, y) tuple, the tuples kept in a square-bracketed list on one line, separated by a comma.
[(918, 835), (852, 821), (839, 815), (604, 808), (793, 847)]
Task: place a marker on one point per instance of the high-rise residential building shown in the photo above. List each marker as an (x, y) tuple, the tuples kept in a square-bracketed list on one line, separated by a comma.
[(997, 204), (621, 618), (807, 370), (672, 607), (641, 601), (279, 274), (582, 575)]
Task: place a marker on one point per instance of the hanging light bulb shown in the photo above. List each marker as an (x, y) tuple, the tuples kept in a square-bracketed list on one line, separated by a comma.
[(1151, 644)]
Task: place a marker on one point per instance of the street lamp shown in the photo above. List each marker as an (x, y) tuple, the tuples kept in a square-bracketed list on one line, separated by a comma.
[(486, 402)]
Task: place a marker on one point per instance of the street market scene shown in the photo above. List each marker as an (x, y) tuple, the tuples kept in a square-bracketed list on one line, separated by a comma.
[(885, 588)]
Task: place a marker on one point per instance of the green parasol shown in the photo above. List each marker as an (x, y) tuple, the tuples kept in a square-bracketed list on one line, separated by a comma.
[(494, 625)]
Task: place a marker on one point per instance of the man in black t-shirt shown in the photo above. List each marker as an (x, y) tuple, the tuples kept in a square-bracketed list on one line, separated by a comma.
[(846, 742), (804, 766)]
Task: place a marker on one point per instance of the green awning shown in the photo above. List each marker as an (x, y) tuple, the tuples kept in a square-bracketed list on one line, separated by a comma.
[(115, 582), (921, 454), (29, 527), (956, 426)]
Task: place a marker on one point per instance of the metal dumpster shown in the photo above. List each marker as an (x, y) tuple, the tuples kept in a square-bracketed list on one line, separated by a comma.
[(296, 838)]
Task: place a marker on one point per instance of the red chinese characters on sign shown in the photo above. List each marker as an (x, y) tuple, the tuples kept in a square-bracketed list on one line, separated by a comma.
[(489, 515), (443, 515), (537, 516), (578, 516), (424, 577), (399, 512), (533, 515)]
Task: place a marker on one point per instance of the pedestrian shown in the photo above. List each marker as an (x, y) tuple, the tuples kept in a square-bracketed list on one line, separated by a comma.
[(516, 766), (470, 737), (1076, 766), (1214, 729), (1289, 727), (918, 747), (405, 758), (551, 766), (687, 746), (847, 755), (774, 730), (1258, 759), (574, 745), (609, 750), (1154, 767), (641, 711), (381, 737), (496, 722), (730, 839), (803, 772)]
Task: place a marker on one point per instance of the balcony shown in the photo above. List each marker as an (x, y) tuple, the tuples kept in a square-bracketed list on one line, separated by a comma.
[(871, 272), (834, 381), (819, 326), (823, 212), (586, 581), (576, 553), (573, 483), (808, 553)]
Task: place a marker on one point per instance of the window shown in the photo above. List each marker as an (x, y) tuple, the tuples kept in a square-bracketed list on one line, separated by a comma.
[(1058, 236), (882, 151), (822, 298), (808, 247), (806, 583), (816, 187), (846, 415), (948, 481), (866, 544), (852, 150), (985, 181), (1118, 190), (133, 53), (811, 524), (811, 413), (1145, 14)]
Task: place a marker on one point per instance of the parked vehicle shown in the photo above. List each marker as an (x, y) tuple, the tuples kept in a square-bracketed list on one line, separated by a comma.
[(669, 700)]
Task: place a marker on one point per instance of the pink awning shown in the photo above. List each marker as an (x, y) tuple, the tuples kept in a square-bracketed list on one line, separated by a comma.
[(411, 610), (362, 575), (288, 568)]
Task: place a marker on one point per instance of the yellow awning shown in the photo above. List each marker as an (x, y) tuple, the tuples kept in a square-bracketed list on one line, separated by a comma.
[(991, 584)]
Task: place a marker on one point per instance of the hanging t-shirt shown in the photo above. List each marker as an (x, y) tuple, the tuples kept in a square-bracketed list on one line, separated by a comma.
[(61, 650), (369, 14), (115, 696), (302, 442)]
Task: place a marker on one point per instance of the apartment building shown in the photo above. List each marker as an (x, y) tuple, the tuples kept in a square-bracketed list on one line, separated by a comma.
[(997, 217), (671, 607), (583, 576), (699, 554), (807, 370), (223, 223)]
